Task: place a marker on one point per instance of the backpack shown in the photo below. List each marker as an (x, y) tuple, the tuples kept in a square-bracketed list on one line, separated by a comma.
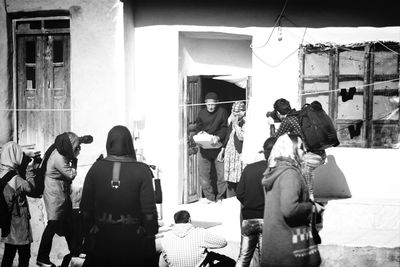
[(39, 173), (5, 212), (317, 127)]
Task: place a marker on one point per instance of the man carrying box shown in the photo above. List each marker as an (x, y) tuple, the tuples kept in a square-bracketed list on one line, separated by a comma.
[(213, 121)]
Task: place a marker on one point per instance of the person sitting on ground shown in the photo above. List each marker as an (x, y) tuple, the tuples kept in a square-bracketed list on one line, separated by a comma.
[(185, 245), (250, 193)]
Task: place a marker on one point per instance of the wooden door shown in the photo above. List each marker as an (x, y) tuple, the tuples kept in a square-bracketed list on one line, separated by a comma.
[(43, 88), (192, 191)]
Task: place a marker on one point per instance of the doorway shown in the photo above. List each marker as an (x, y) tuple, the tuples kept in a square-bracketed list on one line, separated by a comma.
[(42, 80), (196, 89)]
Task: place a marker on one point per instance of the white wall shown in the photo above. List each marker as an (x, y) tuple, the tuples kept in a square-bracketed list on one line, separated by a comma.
[(6, 97), (208, 56), (97, 80), (156, 65), (370, 172), (97, 68)]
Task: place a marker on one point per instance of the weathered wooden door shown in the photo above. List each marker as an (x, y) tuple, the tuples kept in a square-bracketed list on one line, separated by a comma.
[(43, 87), (191, 179)]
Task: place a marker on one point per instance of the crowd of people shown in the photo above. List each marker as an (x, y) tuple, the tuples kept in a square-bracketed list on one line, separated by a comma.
[(117, 205), (276, 194), (118, 211)]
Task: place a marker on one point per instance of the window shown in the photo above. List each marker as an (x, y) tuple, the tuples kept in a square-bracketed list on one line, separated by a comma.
[(370, 117)]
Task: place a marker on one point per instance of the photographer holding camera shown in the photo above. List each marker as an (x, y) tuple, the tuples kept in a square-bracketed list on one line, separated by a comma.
[(61, 163)]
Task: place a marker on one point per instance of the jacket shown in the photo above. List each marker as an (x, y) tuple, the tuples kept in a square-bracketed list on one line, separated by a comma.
[(186, 245), (250, 191), (57, 187), (287, 209), (214, 123), (15, 195)]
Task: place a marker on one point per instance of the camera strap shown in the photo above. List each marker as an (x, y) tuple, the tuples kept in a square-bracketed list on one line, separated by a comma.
[(115, 183)]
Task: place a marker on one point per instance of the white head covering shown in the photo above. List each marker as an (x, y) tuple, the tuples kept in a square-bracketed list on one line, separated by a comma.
[(11, 155), (10, 159), (283, 148)]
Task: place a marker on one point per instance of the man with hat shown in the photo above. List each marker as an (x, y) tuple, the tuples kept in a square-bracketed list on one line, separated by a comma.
[(250, 193), (212, 120)]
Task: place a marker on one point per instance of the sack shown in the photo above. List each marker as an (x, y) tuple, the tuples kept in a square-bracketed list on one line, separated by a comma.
[(5, 212), (317, 127), (330, 182)]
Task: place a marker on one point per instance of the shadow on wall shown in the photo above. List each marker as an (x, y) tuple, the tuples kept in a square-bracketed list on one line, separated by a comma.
[(330, 182)]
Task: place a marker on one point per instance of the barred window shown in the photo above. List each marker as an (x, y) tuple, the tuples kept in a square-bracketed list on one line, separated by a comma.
[(358, 86)]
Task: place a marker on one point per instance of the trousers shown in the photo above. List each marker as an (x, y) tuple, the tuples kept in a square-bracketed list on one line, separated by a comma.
[(205, 177), (24, 253), (250, 244)]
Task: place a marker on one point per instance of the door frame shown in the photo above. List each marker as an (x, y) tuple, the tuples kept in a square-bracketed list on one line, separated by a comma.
[(14, 21), (184, 101)]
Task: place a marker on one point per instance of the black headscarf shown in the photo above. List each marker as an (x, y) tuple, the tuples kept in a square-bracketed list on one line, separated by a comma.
[(64, 146), (120, 142)]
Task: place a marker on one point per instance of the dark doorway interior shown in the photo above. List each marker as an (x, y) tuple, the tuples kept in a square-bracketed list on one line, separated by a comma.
[(226, 91)]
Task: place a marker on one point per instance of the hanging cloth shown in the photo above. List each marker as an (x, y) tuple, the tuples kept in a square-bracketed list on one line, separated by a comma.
[(355, 130), (347, 95)]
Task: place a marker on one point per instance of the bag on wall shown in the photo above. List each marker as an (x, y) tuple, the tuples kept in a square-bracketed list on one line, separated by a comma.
[(330, 182), (317, 127)]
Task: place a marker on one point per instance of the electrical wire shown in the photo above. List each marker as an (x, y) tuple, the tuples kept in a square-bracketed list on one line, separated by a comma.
[(273, 28), (284, 59), (358, 86)]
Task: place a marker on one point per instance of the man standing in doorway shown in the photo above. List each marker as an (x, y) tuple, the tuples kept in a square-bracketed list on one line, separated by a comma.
[(212, 120)]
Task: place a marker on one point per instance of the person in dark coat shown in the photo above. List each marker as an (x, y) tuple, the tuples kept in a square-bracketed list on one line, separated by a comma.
[(118, 197), (287, 239), (250, 193), (214, 121)]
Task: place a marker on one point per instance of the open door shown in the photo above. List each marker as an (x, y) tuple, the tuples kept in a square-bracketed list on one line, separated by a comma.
[(192, 96)]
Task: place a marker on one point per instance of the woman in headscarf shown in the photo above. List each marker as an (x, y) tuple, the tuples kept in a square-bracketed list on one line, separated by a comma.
[(118, 197), (61, 164), (231, 152), (18, 233), (287, 239)]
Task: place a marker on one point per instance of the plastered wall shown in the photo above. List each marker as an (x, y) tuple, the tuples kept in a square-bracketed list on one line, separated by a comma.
[(98, 95)]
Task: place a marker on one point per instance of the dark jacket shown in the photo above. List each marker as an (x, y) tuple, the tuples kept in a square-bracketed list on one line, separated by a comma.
[(250, 191), (215, 123), (125, 216), (134, 196), (287, 211)]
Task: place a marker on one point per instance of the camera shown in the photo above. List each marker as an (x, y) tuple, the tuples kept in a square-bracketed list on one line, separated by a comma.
[(86, 139)]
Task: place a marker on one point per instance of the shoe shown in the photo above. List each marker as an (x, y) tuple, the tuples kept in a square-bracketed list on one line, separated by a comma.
[(47, 263), (219, 201)]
